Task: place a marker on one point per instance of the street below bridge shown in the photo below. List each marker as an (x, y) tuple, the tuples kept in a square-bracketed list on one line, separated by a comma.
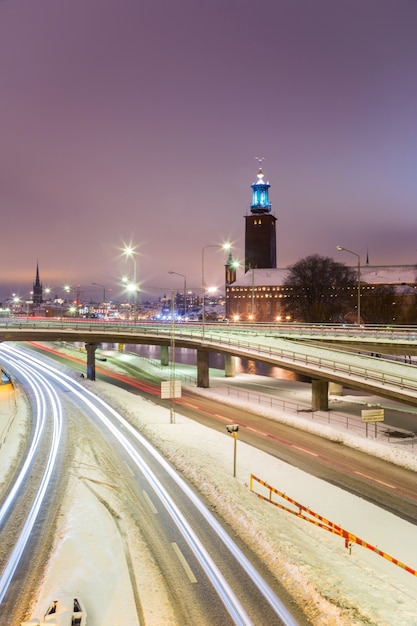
[(194, 454)]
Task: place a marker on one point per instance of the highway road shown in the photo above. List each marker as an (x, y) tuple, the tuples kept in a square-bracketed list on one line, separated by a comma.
[(209, 577), (389, 486)]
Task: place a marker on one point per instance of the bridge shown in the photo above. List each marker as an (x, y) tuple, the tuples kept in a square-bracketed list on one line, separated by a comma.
[(326, 354)]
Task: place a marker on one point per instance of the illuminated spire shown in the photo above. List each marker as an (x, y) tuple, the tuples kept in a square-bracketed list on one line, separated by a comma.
[(260, 174), (260, 201)]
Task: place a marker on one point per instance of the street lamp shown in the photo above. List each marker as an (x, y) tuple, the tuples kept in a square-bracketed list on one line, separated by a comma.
[(67, 290), (185, 290), (104, 295), (341, 248), (129, 251), (252, 308), (233, 429), (104, 291), (225, 246)]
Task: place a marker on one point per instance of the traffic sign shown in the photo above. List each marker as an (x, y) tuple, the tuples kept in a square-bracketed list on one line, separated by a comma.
[(171, 389), (372, 415)]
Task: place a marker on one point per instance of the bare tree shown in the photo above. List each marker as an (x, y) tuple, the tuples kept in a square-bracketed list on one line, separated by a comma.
[(320, 290)]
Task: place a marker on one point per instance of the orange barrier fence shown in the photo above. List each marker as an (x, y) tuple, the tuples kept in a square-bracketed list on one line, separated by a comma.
[(310, 516)]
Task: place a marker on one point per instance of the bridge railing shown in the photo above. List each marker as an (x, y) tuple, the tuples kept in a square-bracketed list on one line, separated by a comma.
[(277, 329), (338, 363), (247, 344)]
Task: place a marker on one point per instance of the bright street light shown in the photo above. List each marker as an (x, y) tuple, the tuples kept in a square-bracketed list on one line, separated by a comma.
[(129, 251), (341, 248)]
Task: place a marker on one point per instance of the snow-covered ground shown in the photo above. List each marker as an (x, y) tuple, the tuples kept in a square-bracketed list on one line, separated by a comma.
[(336, 587)]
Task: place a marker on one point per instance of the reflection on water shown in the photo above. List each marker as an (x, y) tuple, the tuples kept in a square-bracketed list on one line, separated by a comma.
[(216, 361)]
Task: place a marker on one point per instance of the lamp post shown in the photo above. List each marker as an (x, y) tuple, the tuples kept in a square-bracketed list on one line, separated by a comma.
[(129, 251), (104, 295), (185, 290), (225, 246), (341, 248), (233, 429), (67, 290), (253, 295)]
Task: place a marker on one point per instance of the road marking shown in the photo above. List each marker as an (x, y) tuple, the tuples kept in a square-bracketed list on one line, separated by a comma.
[(304, 450), (192, 406), (184, 563), (150, 503), (375, 480)]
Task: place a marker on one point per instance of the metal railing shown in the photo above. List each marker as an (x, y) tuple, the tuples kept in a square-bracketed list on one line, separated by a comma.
[(262, 343), (341, 421)]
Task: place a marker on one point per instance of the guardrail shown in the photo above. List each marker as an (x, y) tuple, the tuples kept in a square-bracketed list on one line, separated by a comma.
[(375, 330), (267, 347), (341, 421), (308, 515)]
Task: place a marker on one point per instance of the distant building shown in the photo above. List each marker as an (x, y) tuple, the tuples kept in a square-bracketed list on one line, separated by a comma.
[(260, 295)]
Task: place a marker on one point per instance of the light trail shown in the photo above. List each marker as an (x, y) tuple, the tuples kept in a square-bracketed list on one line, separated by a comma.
[(44, 393), (226, 594)]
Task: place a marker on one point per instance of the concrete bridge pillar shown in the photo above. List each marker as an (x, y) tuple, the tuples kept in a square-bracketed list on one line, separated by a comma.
[(164, 355), (320, 395), (229, 366), (335, 389), (203, 368), (91, 360)]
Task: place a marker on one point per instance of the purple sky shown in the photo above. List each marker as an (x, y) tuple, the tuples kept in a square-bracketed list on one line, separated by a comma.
[(138, 121)]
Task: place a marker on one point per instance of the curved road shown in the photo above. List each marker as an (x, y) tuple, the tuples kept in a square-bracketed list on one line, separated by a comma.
[(208, 576)]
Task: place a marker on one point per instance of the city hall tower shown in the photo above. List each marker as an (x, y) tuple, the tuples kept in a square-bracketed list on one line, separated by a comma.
[(260, 235)]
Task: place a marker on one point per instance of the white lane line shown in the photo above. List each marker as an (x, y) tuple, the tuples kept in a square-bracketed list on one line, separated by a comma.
[(184, 563), (150, 503)]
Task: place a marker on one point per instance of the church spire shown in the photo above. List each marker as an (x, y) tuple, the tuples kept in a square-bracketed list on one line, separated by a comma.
[(37, 288)]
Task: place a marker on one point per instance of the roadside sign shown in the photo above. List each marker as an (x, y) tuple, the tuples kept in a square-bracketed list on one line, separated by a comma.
[(372, 415), (170, 389)]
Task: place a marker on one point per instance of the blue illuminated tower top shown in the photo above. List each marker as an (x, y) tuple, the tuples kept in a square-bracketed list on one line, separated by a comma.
[(260, 201)]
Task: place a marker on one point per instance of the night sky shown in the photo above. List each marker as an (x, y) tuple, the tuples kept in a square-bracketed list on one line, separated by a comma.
[(138, 122)]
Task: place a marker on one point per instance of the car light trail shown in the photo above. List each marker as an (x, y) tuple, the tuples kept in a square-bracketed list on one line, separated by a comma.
[(43, 391), (223, 589)]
